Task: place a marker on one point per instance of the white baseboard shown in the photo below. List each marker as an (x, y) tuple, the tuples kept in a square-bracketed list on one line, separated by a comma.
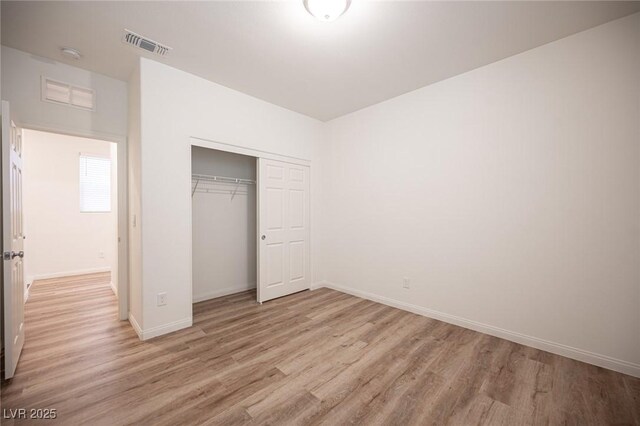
[(113, 288), (159, 330), (604, 361), (68, 273), (135, 325), (222, 292), (166, 328)]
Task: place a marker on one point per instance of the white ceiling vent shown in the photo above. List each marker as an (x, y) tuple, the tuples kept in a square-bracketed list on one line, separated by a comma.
[(145, 43), (68, 94)]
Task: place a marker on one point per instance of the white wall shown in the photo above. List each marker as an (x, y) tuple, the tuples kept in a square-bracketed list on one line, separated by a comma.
[(21, 86), (61, 240), (224, 226), (175, 106), (510, 195)]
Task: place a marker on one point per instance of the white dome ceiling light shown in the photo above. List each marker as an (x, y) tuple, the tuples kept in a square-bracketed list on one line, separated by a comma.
[(327, 10), (70, 53)]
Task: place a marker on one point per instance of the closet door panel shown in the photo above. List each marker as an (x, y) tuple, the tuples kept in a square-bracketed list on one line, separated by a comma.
[(275, 209), (275, 264), (296, 209), (296, 261), (283, 224)]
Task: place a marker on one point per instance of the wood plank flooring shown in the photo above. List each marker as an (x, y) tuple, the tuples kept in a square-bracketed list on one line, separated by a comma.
[(316, 357)]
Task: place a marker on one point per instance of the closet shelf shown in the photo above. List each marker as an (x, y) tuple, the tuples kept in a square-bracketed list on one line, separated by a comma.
[(222, 179), (219, 184)]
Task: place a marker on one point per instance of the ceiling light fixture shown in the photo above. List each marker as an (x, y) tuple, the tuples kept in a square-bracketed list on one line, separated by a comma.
[(71, 53), (327, 10)]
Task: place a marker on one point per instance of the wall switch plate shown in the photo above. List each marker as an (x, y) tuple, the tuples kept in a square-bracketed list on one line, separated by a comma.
[(406, 282), (162, 299)]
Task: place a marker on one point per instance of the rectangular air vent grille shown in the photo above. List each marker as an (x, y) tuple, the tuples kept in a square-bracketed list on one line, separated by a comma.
[(145, 43), (68, 94)]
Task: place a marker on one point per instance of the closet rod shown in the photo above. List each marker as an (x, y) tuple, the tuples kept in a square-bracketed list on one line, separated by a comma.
[(222, 179)]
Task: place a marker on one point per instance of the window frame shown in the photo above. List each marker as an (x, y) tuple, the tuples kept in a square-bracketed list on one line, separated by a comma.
[(82, 155)]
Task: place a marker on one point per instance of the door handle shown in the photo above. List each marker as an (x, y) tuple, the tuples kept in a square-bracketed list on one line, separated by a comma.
[(264, 237), (12, 255)]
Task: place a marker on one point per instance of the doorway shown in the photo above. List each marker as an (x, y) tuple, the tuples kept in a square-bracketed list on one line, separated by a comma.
[(223, 200), (17, 284), (70, 209)]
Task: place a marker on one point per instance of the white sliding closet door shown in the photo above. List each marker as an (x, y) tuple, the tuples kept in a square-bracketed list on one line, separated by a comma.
[(284, 265)]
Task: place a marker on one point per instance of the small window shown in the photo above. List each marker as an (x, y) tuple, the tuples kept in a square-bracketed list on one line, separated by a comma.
[(82, 98), (67, 94), (57, 92), (95, 184)]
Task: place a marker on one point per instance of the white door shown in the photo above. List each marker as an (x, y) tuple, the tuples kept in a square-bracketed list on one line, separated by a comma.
[(283, 229), (13, 241)]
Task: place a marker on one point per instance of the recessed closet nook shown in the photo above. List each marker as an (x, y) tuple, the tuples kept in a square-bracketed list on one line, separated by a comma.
[(223, 189), (250, 225)]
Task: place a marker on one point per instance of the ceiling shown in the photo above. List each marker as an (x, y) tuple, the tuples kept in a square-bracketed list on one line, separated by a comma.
[(277, 52)]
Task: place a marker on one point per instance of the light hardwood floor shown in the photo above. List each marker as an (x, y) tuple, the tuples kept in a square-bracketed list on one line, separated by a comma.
[(313, 357)]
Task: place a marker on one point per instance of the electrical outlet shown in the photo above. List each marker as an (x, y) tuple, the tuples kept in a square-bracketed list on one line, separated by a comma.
[(101, 255), (406, 282), (162, 299)]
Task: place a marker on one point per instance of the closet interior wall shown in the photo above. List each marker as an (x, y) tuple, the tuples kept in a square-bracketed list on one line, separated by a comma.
[(224, 224)]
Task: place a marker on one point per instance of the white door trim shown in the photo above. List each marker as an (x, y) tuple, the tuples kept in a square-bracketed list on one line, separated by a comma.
[(235, 149)]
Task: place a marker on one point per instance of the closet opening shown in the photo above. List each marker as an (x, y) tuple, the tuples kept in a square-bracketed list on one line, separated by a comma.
[(224, 230)]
